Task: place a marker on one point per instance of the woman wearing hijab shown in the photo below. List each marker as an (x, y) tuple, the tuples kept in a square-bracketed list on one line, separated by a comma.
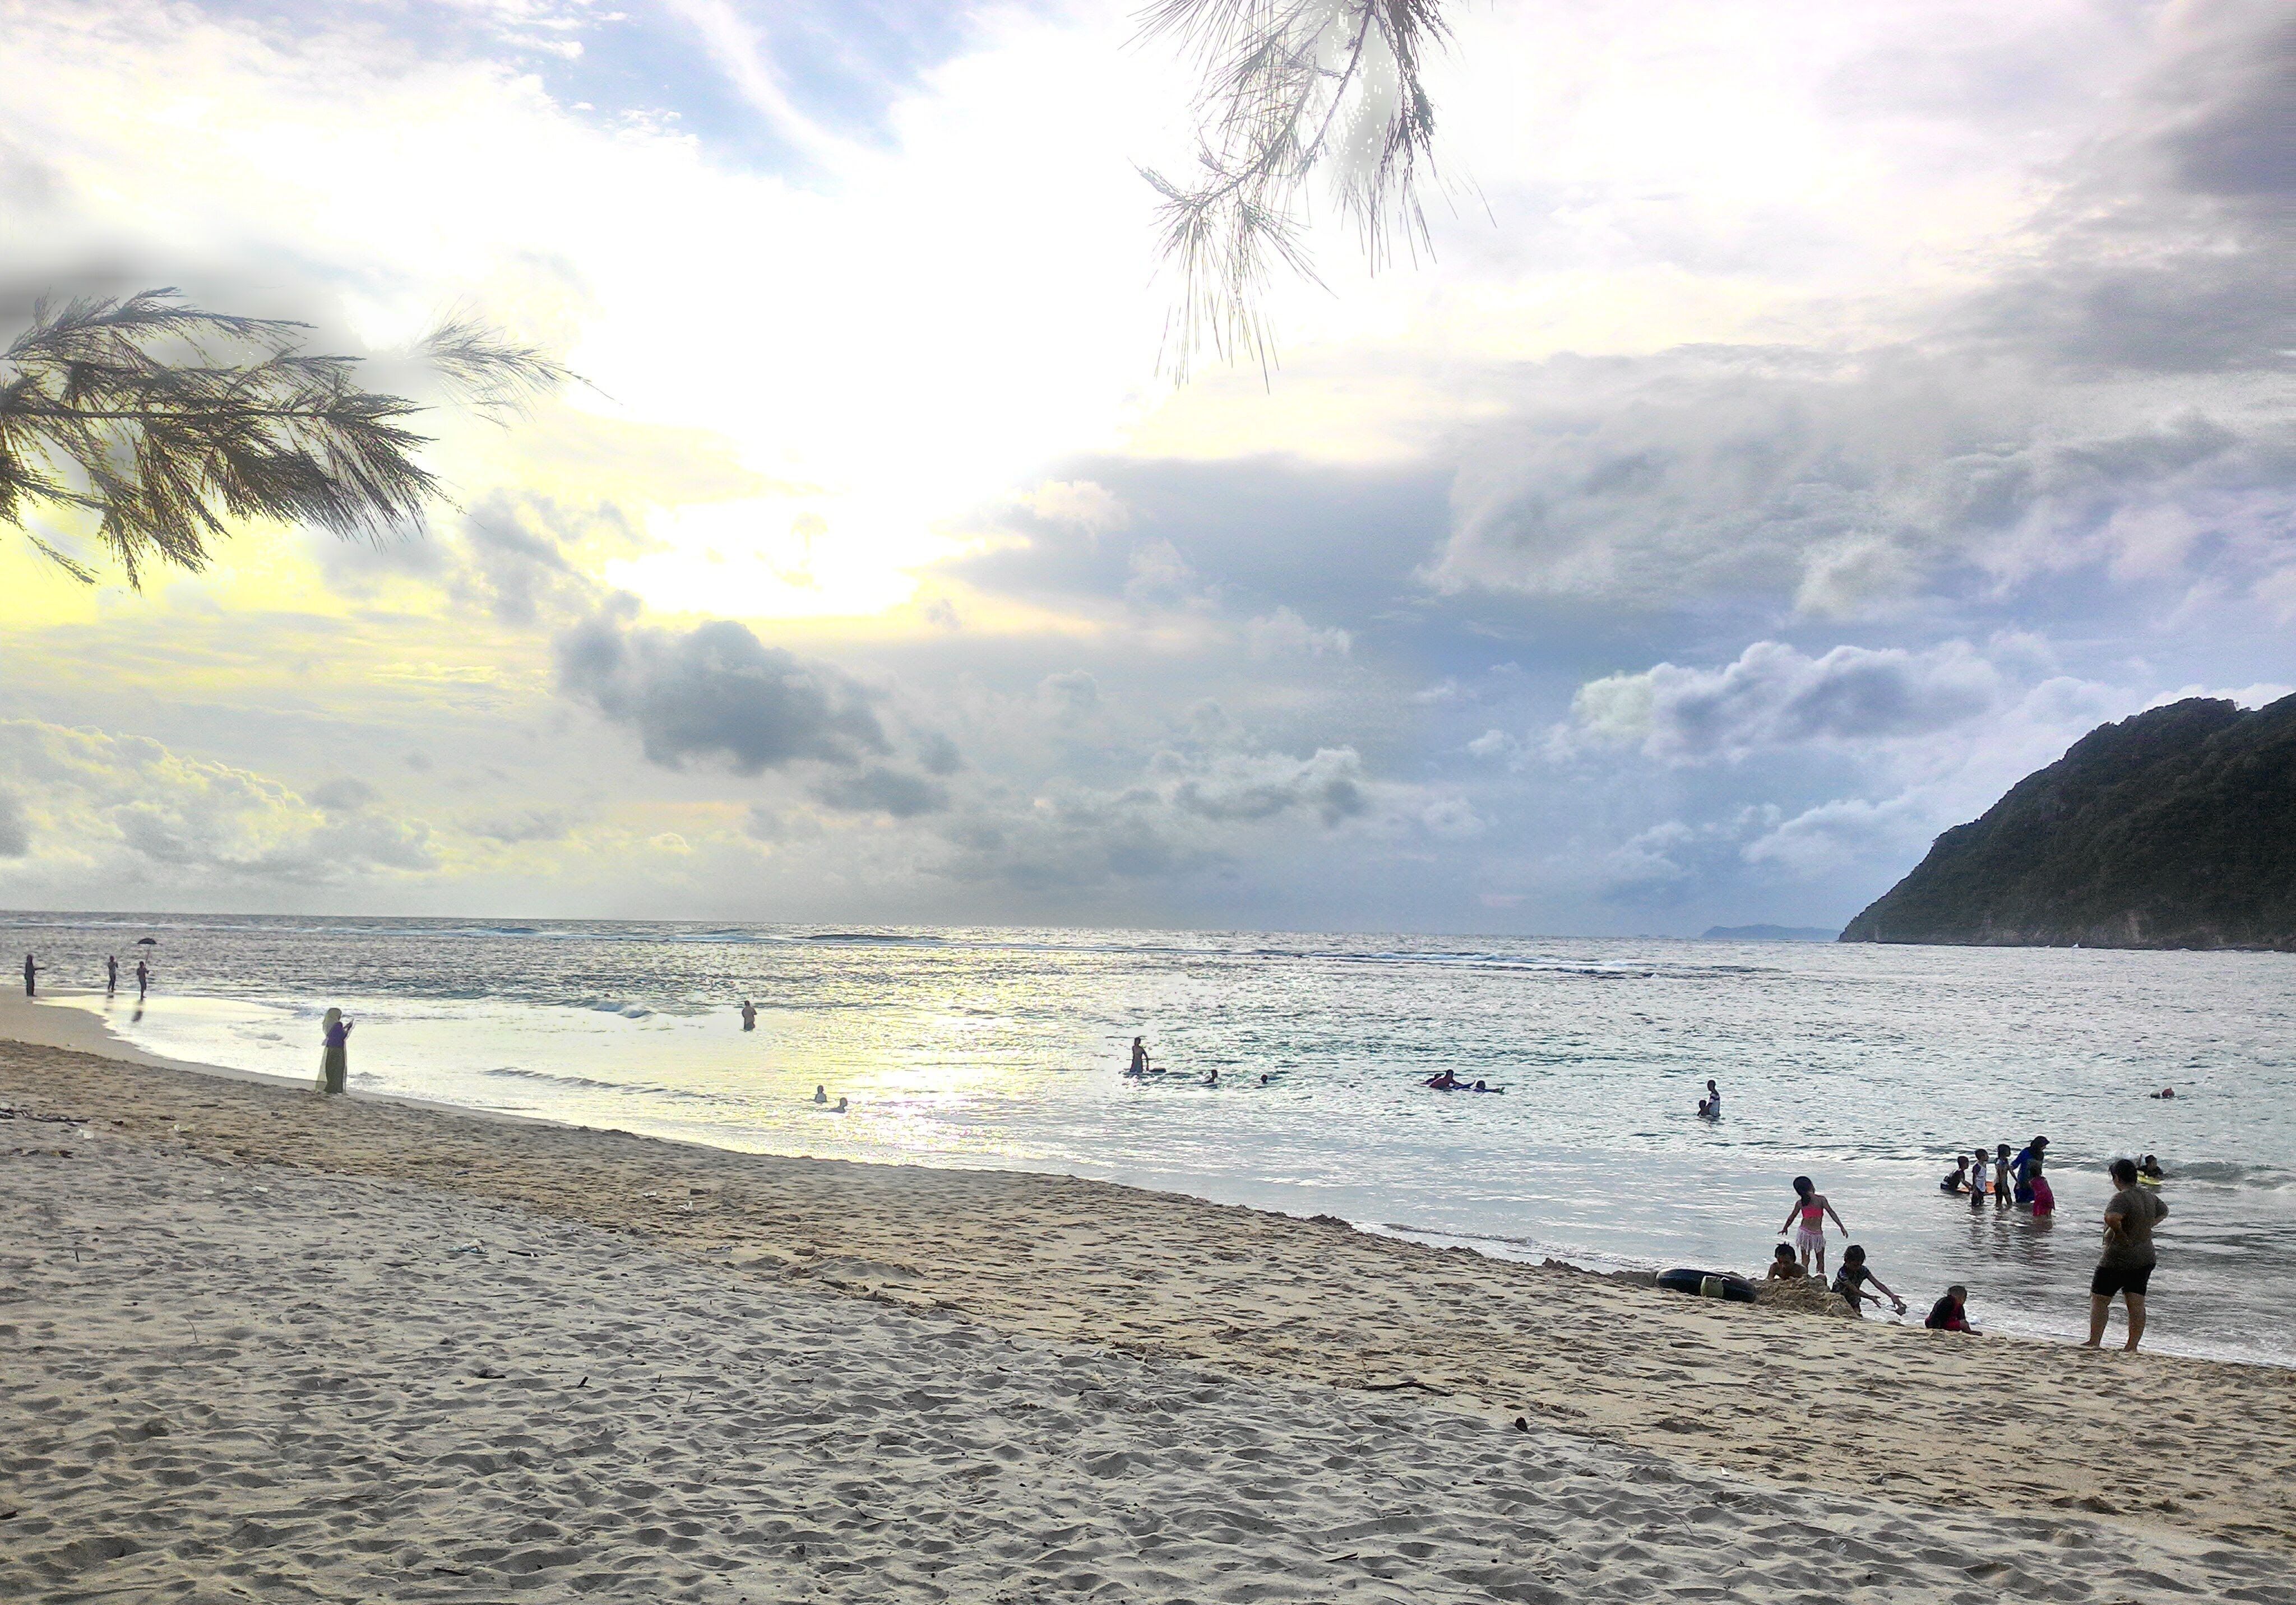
[(335, 1058)]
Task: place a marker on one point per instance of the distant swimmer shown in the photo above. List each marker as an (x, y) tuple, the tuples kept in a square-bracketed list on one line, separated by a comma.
[(1713, 1102), (748, 1015), (1139, 1057), (2166, 1092), (2150, 1171), (1212, 1076), (821, 1094), (1959, 1179), (1448, 1082), (840, 1109), (1708, 1110), (1806, 1221)]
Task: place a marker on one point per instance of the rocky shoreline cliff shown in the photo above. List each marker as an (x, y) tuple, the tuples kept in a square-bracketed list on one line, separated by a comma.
[(2174, 828)]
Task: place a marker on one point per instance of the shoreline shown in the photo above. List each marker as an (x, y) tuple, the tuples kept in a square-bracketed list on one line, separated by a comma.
[(1738, 1390), (85, 1031)]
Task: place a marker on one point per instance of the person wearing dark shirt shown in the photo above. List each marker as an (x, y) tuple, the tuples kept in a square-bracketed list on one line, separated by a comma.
[(1950, 1314), (2127, 1266), (1851, 1281)]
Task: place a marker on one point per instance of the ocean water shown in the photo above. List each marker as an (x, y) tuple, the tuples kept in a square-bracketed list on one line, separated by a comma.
[(1864, 1066)]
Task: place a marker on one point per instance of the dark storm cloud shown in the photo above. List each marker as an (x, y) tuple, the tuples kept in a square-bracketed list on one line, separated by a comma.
[(878, 788), (716, 691)]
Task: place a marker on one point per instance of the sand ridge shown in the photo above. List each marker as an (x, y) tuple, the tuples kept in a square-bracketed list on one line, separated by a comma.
[(232, 1383), (2152, 1443)]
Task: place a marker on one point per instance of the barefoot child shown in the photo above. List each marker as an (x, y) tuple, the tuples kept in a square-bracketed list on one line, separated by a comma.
[(1851, 1282)]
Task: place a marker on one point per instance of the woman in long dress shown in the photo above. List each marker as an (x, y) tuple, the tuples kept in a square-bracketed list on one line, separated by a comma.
[(335, 1058)]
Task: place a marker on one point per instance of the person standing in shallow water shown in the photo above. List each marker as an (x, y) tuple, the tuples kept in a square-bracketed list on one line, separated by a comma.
[(142, 979), (110, 975), (748, 1015), (335, 1057), (31, 974)]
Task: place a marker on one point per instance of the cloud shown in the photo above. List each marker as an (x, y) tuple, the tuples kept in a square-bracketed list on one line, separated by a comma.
[(716, 691), (343, 794), (128, 806), (1284, 633), (1077, 503), (15, 828), (878, 788), (1070, 694), (523, 825), (1774, 696), (1848, 483), (1329, 785)]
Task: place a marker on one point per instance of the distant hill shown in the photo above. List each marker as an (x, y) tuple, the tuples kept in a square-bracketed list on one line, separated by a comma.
[(1770, 933), (2175, 828)]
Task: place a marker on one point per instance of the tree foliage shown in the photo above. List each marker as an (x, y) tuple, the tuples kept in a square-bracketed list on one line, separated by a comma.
[(170, 425), (1290, 88)]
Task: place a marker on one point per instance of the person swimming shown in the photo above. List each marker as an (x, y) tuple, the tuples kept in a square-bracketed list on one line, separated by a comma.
[(1448, 1082), (2166, 1092), (821, 1094), (2151, 1171), (840, 1109), (1959, 1179), (1212, 1076), (1713, 1102)]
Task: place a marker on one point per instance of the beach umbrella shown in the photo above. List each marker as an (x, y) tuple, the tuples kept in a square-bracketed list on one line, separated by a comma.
[(147, 941)]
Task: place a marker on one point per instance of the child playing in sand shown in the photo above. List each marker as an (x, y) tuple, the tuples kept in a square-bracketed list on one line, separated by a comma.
[(1855, 1274), (1950, 1314), (1784, 1266)]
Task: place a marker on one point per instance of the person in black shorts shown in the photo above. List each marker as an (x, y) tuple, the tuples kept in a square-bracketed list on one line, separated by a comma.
[(2127, 1267)]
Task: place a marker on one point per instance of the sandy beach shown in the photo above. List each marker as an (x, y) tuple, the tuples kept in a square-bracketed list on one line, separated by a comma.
[(265, 1347)]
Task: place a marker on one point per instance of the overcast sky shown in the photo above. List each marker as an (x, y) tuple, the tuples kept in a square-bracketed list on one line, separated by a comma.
[(1813, 418)]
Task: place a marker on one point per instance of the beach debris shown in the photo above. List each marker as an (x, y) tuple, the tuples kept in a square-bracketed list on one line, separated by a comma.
[(1523, 1423), (488, 1373), (469, 1248)]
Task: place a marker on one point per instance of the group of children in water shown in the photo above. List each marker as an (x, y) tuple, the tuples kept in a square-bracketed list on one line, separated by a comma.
[(2004, 1178)]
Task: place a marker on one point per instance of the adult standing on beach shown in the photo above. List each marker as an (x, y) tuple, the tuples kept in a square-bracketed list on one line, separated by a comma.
[(2127, 1266), (31, 985), (335, 1058), (1806, 1221)]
